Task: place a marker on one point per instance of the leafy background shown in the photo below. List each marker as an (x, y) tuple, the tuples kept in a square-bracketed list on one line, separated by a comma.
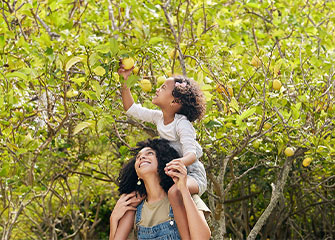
[(64, 135)]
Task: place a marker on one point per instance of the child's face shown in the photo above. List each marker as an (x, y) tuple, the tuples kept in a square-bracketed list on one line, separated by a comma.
[(163, 95)]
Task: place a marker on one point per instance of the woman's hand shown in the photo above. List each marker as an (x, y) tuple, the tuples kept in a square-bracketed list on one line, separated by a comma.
[(176, 169), (127, 202)]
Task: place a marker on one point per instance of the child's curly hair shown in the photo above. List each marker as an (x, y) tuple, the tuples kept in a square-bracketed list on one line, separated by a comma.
[(127, 179), (187, 92)]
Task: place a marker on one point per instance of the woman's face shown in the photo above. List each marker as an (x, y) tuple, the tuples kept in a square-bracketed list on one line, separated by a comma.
[(146, 161)]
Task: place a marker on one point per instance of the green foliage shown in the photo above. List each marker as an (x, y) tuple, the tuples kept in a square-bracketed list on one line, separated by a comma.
[(64, 135)]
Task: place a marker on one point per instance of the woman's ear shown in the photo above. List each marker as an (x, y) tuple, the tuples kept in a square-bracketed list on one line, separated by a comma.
[(175, 101)]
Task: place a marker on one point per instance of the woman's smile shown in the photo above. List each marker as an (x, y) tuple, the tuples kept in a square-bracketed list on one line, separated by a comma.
[(143, 163)]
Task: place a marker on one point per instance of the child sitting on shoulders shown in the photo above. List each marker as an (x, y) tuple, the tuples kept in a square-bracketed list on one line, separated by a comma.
[(181, 102)]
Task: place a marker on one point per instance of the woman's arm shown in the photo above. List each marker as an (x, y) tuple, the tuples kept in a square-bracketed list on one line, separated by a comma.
[(122, 206), (198, 226)]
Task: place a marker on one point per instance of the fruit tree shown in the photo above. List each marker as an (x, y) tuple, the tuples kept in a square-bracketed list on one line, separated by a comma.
[(267, 72)]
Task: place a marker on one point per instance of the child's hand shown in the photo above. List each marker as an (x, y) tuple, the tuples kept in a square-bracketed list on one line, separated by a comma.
[(177, 170), (175, 161), (139, 199), (123, 72)]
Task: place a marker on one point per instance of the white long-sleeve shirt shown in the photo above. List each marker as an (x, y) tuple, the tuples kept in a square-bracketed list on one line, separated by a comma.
[(180, 132), (181, 135)]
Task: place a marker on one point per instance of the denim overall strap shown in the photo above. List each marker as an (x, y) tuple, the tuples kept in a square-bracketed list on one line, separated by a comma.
[(139, 212)]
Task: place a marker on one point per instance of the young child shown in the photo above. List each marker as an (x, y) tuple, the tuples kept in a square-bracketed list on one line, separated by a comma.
[(181, 102)]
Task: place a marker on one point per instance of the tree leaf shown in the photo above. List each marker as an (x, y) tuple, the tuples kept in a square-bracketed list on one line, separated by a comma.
[(17, 74), (81, 126), (72, 61), (248, 113), (155, 40), (113, 46), (132, 79), (100, 71)]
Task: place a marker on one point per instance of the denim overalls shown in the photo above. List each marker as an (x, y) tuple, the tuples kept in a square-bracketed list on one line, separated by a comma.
[(164, 231)]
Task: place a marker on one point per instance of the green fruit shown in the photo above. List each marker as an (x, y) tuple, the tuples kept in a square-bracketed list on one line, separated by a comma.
[(161, 80), (256, 143)]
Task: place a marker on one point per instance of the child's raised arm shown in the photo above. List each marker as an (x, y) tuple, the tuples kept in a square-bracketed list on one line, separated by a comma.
[(127, 98)]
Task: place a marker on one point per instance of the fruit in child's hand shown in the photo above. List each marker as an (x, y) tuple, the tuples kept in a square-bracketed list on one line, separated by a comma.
[(161, 80), (276, 84), (256, 62), (135, 70), (289, 152), (145, 85), (173, 54), (128, 63), (306, 162)]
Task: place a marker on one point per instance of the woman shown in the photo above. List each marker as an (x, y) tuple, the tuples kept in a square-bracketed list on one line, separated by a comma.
[(150, 175)]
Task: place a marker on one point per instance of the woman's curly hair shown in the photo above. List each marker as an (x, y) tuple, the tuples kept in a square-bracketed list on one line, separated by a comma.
[(191, 98), (127, 179)]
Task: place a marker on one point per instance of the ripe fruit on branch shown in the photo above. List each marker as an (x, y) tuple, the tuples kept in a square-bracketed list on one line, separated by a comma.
[(160, 80), (71, 93), (145, 85), (289, 152), (306, 162), (276, 84), (128, 63), (256, 62), (267, 125), (173, 54), (135, 70)]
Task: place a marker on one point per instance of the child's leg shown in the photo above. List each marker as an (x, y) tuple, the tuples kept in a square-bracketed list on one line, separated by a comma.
[(125, 225), (178, 207)]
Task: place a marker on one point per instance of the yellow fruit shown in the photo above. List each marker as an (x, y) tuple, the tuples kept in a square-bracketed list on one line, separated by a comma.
[(289, 152), (173, 54), (306, 162), (71, 93), (256, 62), (128, 63), (267, 125), (161, 80), (276, 84), (145, 85), (135, 70)]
